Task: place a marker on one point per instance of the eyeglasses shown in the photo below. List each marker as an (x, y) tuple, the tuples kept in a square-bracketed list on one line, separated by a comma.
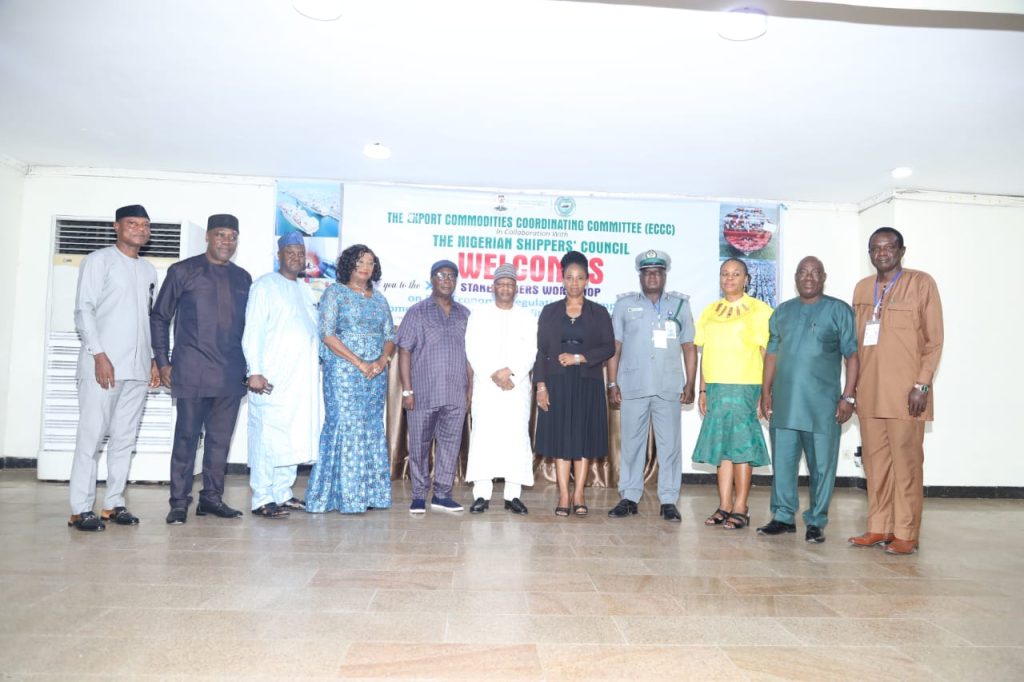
[(445, 276)]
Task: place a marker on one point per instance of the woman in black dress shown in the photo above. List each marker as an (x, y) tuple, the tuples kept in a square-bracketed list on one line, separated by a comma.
[(574, 338)]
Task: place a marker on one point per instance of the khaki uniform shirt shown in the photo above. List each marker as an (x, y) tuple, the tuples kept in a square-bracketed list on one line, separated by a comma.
[(909, 344)]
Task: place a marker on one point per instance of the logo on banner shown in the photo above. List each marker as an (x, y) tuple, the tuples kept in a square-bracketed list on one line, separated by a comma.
[(501, 203), (565, 206)]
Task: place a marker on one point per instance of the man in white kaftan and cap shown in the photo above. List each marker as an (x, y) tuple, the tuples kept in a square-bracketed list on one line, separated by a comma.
[(501, 345), (281, 345)]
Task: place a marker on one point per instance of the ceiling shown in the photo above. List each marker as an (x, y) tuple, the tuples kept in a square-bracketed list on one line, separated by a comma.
[(525, 94)]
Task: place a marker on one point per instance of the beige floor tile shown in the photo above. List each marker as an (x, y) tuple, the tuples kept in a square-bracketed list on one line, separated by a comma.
[(814, 664), (244, 659), (897, 606), (57, 619), (986, 630), (704, 631), (451, 601), (524, 629), (386, 580), (441, 661), (757, 606), (869, 631), (570, 663), (928, 586), (992, 664), (661, 584), (796, 586), (601, 604), (527, 582)]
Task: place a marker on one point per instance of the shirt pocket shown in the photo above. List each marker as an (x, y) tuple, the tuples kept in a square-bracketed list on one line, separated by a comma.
[(900, 317), (828, 339)]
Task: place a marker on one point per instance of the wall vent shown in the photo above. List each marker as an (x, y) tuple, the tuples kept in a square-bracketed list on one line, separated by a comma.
[(80, 237)]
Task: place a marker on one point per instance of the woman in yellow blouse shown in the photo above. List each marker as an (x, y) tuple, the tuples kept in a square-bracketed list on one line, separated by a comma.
[(732, 333)]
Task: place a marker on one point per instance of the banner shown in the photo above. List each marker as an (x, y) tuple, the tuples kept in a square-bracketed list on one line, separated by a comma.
[(411, 228), (314, 210)]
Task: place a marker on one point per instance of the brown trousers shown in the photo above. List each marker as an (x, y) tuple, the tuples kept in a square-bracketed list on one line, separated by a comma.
[(893, 460)]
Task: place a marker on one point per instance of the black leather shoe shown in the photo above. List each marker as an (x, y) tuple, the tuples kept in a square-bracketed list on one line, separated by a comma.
[(220, 509), (623, 509), (776, 527), (670, 513), (815, 535), (177, 517), (479, 506), (516, 506), (87, 521), (120, 516)]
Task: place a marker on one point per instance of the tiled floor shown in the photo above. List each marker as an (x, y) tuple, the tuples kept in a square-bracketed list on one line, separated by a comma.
[(388, 595)]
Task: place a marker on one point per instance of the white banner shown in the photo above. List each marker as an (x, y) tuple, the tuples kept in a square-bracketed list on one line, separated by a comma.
[(411, 228)]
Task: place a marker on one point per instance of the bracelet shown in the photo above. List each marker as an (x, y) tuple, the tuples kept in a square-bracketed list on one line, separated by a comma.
[(612, 384)]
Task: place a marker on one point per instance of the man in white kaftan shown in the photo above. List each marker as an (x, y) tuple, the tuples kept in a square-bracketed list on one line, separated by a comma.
[(281, 344), (501, 345)]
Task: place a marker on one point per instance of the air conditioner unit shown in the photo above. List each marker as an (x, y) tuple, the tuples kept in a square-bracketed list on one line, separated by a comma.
[(76, 237)]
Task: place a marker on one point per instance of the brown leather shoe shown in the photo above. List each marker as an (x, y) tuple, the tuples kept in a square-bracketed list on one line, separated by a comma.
[(871, 539), (898, 546)]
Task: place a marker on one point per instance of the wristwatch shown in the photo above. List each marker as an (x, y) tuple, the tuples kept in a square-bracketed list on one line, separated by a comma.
[(406, 394), (576, 357), (850, 399), (924, 388)]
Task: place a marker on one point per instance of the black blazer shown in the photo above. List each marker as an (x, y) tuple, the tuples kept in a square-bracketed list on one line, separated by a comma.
[(598, 343)]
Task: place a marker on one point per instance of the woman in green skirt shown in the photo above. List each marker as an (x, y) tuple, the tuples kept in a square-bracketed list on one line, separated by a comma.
[(732, 334)]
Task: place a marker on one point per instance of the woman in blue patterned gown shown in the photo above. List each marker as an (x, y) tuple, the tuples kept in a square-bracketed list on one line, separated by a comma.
[(353, 473)]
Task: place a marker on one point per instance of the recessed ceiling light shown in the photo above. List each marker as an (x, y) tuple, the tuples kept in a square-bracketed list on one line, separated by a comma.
[(319, 10), (376, 150), (901, 172), (742, 23)]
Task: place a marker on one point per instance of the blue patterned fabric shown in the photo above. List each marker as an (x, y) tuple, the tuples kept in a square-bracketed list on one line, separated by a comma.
[(352, 473)]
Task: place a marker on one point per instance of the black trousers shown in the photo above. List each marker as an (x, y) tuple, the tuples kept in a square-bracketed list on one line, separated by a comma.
[(215, 416)]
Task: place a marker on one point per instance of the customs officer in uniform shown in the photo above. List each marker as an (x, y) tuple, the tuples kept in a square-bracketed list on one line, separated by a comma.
[(653, 340)]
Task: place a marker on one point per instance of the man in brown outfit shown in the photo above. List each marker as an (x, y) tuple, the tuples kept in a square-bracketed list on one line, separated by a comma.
[(899, 339)]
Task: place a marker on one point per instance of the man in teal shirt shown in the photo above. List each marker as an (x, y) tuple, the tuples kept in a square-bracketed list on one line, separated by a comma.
[(809, 336)]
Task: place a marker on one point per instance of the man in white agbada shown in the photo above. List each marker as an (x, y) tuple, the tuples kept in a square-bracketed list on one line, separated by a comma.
[(501, 345), (281, 345)]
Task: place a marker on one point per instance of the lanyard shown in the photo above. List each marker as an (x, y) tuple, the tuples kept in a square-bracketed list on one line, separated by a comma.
[(879, 299)]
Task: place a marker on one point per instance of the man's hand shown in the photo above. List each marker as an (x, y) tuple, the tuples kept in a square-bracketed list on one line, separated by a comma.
[(409, 402), (844, 411), (257, 383), (614, 396), (917, 402), (165, 376), (687, 397), (766, 403), (104, 371), (154, 375)]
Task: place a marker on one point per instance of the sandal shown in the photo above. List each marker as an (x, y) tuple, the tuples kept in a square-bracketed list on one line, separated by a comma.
[(580, 510), (294, 503), (270, 511), (737, 521), (718, 518), (561, 511)]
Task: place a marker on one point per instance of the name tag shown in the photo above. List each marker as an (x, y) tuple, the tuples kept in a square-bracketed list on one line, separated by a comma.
[(660, 338), (634, 310), (871, 330), (670, 329)]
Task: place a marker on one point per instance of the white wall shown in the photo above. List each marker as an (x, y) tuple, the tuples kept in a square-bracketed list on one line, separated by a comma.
[(12, 188)]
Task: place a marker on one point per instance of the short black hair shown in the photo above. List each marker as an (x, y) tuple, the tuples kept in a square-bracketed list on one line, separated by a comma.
[(575, 258), (888, 230), (347, 263), (746, 270)]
